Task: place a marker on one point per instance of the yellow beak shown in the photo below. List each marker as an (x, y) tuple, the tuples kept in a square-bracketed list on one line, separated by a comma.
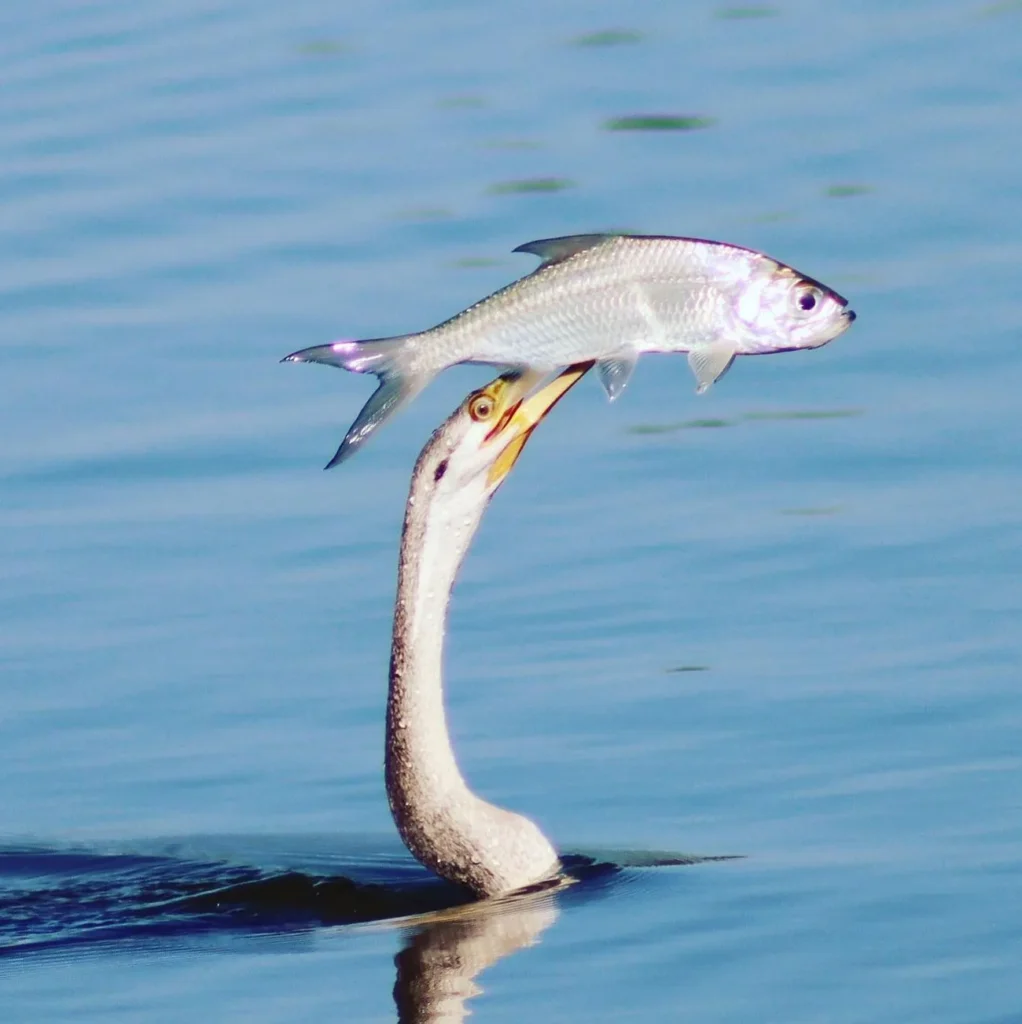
[(522, 418)]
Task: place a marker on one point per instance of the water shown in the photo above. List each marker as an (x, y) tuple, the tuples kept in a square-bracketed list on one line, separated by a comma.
[(784, 636)]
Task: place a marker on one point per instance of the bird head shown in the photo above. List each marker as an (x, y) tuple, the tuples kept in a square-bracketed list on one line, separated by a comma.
[(475, 449)]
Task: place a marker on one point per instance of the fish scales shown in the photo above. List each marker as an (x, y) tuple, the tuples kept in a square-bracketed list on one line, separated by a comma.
[(587, 307)]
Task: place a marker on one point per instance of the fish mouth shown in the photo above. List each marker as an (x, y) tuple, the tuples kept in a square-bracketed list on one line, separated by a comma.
[(839, 323)]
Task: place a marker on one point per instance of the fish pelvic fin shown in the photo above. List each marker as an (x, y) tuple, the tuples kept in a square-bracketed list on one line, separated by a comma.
[(556, 250), (710, 362), (615, 373), (384, 357)]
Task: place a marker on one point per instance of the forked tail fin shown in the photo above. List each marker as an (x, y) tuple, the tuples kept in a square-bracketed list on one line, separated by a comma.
[(380, 356)]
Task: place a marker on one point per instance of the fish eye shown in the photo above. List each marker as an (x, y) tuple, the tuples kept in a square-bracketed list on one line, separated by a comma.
[(480, 408), (808, 298)]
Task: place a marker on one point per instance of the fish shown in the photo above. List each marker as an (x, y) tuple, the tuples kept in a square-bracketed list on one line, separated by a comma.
[(608, 298)]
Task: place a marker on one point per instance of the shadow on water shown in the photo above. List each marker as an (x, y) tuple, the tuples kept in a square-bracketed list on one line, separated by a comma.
[(63, 902)]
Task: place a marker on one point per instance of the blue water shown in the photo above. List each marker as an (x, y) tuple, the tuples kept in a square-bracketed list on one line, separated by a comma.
[(194, 619)]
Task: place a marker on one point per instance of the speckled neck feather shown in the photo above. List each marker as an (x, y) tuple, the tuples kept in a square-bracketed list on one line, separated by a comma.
[(457, 834)]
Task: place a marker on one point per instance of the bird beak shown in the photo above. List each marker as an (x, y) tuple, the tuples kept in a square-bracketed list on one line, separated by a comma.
[(523, 416)]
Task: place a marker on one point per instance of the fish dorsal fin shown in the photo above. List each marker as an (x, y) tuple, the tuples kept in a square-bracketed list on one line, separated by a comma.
[(614, 373), (710, 362), (555, 250)]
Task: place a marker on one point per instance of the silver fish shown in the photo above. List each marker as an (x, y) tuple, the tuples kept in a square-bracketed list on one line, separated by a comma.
[(608, 298)]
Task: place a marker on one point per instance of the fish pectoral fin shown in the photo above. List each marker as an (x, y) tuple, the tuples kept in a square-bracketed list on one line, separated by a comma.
[(710, 362), (555, 250), (614, 373)]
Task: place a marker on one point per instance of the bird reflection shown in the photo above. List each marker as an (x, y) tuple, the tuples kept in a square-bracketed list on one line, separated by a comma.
[(438, 966)]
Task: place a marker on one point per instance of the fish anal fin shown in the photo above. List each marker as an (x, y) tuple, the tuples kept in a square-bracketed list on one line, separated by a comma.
[(615, 373), (710, 362), (555, 250)]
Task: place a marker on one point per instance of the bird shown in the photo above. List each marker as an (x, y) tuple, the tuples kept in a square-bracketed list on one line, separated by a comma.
[(454, 832)]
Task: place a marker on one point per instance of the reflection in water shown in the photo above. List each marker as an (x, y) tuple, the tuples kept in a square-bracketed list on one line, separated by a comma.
[(437, 968), (66, 902), (72, 902)]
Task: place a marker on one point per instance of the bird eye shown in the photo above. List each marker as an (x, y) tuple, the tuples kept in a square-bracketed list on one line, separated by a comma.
[(808, 298), (480, 408)]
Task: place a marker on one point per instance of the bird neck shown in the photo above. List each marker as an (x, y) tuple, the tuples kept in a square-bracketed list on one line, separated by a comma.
[(419, 752), (446, 826)]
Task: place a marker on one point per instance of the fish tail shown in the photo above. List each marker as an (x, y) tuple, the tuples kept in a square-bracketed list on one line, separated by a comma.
[(371, 355), (383, 357)]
